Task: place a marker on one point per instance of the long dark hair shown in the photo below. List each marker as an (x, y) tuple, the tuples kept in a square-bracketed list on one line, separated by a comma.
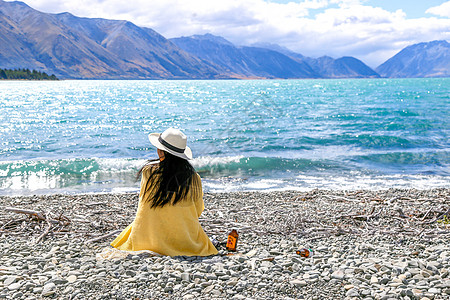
[(171, 180)]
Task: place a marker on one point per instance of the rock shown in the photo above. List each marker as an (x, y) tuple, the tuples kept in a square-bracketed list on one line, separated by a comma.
[(299, 283), (59, 281), (185, 276), (262, 285), (9, 280), (208, 289), (417, 292), (71, 278), (211, 277), (352, 293), (434, 291), (14, 286), (338, 274), (68, 290), (232, 282), (384, 280), (348, 286), (28, 286), (426, 273), (49, 289)]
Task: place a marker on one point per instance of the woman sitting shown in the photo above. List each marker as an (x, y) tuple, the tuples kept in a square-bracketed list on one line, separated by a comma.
[(170, 203)]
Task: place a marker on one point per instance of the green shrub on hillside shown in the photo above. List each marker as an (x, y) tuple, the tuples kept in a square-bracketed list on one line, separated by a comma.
[(25, 74)]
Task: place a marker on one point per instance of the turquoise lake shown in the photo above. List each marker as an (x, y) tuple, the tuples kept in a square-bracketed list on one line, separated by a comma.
[(91, 136)]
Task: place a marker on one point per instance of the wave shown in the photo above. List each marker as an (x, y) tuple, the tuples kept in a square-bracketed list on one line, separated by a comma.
[(231, 172), (431, 162), (241, 166), (74, 166), (354, 181), (43, 176)]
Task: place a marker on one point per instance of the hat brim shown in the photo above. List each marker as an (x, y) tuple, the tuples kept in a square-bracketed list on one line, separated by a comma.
[(153, 138)]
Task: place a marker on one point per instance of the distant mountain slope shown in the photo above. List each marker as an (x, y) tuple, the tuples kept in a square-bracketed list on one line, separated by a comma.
[(278, 48), (344, 67), (247, 61), (72, 47), (328, 67), (430, 59)]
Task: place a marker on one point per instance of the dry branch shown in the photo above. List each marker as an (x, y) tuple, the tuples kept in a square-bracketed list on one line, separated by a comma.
[(104, 236), (46, 232), (33, 213)]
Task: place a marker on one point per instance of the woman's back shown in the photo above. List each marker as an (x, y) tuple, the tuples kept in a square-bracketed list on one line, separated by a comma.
[(169, 230)]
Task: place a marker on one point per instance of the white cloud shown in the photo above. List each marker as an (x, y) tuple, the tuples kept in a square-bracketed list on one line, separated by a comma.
[(442, 10), (310, 27)]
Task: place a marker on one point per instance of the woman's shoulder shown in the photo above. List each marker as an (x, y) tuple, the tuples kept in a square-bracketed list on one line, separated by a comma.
[(196, 185), (196, 179), (149, 168)]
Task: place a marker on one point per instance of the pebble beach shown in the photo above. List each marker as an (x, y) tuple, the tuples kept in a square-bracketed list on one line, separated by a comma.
[(387, 244)]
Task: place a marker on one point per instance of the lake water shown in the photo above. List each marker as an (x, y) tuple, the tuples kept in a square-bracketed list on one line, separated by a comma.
[(91, 136)]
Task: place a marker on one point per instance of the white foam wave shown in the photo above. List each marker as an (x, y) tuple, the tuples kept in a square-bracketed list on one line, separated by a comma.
[(114, 164), (214, 160), (307, 183)]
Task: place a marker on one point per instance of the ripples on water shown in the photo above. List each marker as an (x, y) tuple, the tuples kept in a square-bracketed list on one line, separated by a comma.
[(84, 136)]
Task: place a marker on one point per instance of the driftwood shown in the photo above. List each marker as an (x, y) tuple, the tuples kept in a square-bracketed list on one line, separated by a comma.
[(52, 223), (94, 204), (38, 215), (99, 238), (308, 215), (29, 212), (46, 232), (339, 198), (361, 217)]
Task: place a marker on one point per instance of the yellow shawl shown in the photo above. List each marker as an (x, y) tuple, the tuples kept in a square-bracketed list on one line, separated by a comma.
[(171, 230)]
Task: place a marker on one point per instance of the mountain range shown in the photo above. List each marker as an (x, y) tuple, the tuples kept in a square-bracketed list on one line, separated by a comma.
[(420, 60), (73, 47), (92, 48)]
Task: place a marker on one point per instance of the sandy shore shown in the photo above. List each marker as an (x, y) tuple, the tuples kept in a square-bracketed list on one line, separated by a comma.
[(367, 244)]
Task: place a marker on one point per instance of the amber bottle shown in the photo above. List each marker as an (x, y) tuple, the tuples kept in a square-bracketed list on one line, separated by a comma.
[(305, 252), (232, 240)]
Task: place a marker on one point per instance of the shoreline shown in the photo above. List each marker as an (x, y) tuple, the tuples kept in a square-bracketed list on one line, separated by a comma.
[(367, 244), (217, 190)]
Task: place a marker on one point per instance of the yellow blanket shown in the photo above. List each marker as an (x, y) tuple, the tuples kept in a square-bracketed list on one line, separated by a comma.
[(171, 230)]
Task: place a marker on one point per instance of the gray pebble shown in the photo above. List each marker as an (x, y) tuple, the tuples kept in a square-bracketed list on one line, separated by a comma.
[(352, 293), (49, 289), (14, 286), (9, 280)]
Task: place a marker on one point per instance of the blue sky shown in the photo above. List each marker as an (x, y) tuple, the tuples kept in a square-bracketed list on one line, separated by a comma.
[(412, 8), (370, 30)]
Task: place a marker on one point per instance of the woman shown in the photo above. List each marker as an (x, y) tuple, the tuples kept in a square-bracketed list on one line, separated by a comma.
[(170, 203)]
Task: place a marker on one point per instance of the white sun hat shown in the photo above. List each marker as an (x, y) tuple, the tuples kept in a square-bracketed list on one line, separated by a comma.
[(173, 141)]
